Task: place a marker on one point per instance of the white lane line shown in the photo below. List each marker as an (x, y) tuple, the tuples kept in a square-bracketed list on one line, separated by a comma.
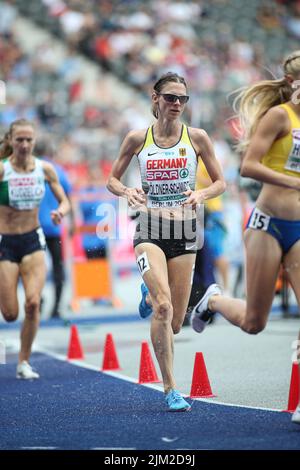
[(169, 439), (207, 400), (38, 448), (113, 448), (85, 365)]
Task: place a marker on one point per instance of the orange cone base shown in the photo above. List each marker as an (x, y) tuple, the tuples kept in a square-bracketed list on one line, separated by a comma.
[(202, 396), (109, 367), (147, 381)]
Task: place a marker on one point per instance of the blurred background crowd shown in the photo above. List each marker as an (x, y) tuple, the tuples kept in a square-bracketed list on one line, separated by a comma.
[(82, 70), (218, 45)]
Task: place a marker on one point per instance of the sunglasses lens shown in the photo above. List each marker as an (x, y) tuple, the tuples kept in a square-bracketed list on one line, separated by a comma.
[(170, 98), (173, 98), (183, 99)]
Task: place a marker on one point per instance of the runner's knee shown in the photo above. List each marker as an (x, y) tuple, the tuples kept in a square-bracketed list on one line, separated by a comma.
[(176, 328), (32, 306), (163, 310), (253, 327), (10, 315)]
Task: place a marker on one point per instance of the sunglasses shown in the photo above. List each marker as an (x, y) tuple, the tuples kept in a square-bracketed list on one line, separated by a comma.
[(170, 98)]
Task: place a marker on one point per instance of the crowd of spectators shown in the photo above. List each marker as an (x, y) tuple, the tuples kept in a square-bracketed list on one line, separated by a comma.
[(218, 46), (207, 42), (48, 90)]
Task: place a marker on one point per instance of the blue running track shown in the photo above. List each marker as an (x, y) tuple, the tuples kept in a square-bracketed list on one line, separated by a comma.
[(72, 407)]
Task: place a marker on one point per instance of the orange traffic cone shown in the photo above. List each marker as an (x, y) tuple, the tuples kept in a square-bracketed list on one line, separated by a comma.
[(147, 369), (75, 349), (200, 383), (110, 359), (294, 388)]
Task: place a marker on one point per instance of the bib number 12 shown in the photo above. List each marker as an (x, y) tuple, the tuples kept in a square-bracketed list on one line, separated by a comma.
[(143, 263)]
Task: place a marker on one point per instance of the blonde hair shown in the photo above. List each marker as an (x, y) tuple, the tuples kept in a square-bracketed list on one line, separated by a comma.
[(252, 103), (5, 148)]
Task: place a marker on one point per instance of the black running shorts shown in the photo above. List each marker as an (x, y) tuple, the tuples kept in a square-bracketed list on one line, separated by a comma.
[(174, 237), (15, 247)]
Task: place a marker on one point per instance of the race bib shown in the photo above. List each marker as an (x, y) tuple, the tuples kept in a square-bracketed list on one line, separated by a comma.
[(259, 220), (143, 263), (293, 160)]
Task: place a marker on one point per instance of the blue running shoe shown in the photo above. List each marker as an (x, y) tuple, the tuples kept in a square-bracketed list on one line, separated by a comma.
[(175, 401), (144, 309)]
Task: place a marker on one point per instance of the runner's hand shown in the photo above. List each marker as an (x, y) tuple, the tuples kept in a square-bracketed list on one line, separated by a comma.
[(135, 196), (56, 217), (193, 198)]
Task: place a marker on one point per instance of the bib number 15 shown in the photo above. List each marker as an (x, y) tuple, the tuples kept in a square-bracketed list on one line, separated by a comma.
[(259, 220)]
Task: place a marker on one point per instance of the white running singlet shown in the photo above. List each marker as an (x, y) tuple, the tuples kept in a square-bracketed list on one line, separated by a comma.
[(167, 173)]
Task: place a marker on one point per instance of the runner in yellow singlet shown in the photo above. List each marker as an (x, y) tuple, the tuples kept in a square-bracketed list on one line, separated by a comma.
[(270, 115)]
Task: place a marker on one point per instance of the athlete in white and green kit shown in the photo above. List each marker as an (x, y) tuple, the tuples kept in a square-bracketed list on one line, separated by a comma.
[(22, 242)]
